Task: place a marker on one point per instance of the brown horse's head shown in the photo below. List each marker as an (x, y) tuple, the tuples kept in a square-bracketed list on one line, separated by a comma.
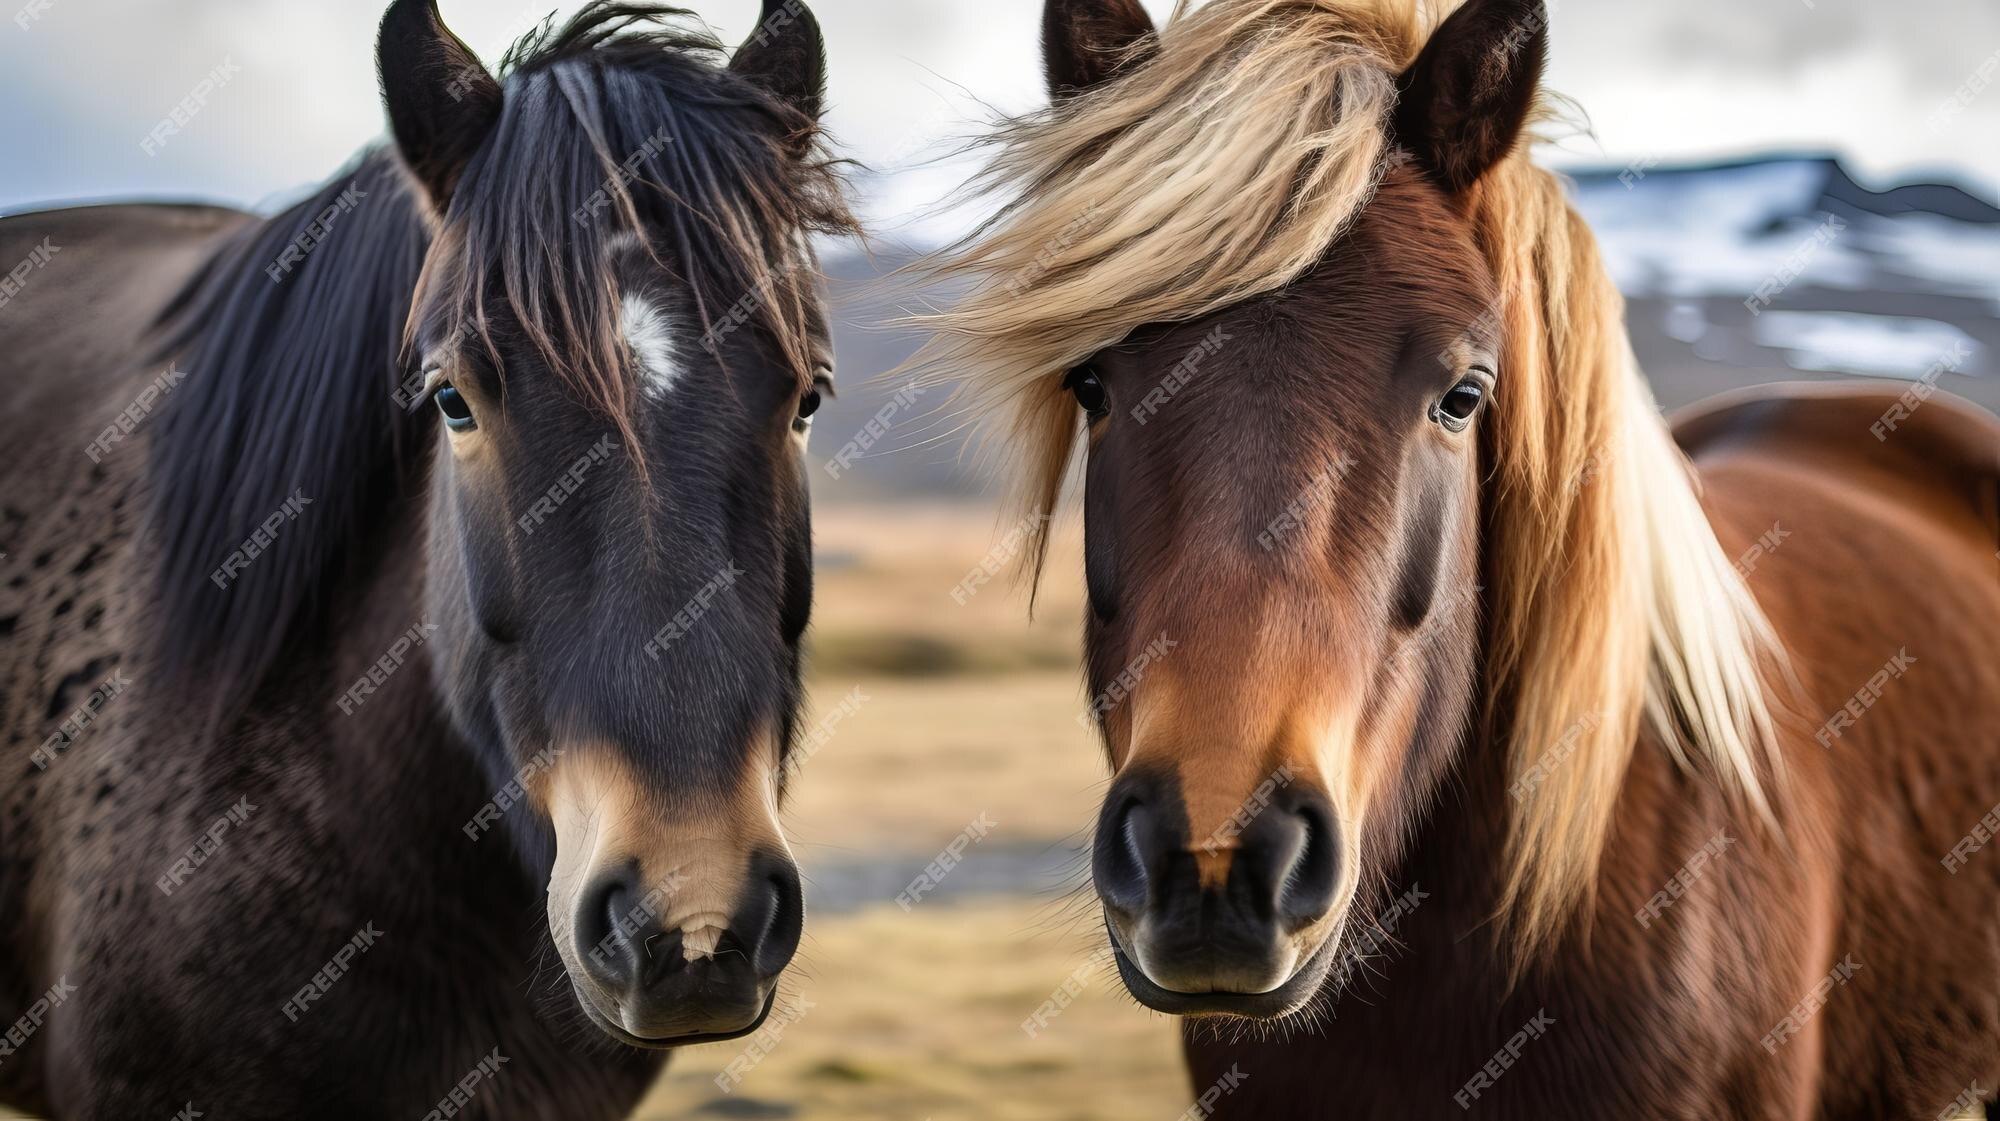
[(1281, 521), (619, 327), (1284, 270), (1282, 649)]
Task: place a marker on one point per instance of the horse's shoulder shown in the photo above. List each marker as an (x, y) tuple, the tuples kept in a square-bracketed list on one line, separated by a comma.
[(1895, 426)]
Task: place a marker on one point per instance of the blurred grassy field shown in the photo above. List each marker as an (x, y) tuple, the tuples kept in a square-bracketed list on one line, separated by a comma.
[(970, 710), (919, 1015), (885, 604)]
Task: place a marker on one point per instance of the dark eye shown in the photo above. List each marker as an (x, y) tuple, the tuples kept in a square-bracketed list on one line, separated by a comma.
[(1454, 410), (1089, 390), (457, 414), (810, 401)]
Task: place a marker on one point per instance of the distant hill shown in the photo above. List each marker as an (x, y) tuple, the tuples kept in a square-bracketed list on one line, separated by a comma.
[(1734, 273), (1817, 180)]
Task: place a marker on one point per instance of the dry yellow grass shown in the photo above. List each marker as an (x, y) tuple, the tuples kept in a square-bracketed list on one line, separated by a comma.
[(918, 1015), (885, 601), (920, 758)]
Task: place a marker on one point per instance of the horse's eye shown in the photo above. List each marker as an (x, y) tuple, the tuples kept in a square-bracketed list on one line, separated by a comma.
[(457, 414), (810, 401), (1089, 390), (1454, 410)]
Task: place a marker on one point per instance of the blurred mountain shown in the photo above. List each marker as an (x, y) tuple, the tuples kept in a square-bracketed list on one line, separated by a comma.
[(1734, 273), (1787, 267)]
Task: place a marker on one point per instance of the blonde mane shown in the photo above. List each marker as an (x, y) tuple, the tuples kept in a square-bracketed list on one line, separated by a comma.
[(1226, 166)]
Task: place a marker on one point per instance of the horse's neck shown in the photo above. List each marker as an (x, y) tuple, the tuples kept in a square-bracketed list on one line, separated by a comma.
[(394, 782), (1457, 852), (1456, 857), (377, 681), (1455, 861)]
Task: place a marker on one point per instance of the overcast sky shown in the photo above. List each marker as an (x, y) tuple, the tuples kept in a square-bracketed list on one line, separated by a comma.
[(82, 82)]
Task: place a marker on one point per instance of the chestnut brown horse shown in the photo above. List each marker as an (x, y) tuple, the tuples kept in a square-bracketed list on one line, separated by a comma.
[(1500, 756)]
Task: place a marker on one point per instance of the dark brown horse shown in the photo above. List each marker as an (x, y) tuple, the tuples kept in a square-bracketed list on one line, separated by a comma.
[(403, 595), (1477, 749)]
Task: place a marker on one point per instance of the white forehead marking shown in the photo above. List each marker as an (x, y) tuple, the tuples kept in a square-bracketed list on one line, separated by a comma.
[(649, 332)]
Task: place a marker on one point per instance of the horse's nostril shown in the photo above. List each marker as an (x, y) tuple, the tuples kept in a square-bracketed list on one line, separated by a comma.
[(1305, 890), (773, 919), (1121, 854), (611, 928), (617, 903)]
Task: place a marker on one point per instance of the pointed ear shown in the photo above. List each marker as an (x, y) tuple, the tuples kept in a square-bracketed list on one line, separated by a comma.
[(1465, 99), (1085, 42), (440, 98), (786, 55)]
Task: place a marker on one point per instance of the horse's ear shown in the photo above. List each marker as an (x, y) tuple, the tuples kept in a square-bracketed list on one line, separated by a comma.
[(440, 98), (1463, 102), (786, 55), (1085, 42)]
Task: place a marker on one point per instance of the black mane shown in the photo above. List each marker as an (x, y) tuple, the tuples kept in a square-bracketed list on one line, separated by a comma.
[(290, 390), (295, 363)]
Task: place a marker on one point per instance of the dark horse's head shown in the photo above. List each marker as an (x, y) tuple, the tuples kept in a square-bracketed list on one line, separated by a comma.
[(1270, 264), (612, 345), (618, 329)]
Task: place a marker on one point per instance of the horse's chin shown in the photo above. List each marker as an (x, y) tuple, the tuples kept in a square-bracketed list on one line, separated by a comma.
[(1287, 999), (667, 1043)]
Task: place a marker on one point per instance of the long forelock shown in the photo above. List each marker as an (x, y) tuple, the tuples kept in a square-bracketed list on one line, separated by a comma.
[(1221, 169), (611, 132)]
